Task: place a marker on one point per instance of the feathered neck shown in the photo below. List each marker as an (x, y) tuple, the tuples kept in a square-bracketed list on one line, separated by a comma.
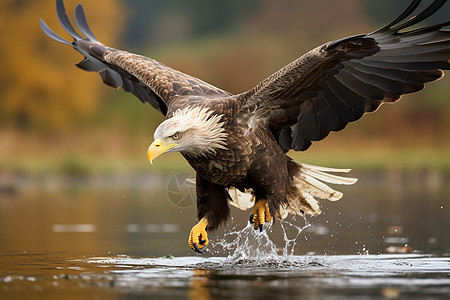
[(207, 128)]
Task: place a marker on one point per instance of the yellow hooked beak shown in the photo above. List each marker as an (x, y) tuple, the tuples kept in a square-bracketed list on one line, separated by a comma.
[(157, 148)]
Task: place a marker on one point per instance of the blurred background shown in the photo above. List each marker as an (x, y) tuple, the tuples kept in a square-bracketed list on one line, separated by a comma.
[(64, 134), (56, 118)]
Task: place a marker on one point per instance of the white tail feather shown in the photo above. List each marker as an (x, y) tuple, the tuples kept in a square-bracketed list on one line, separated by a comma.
[(324, 169), (319, 173), (308, 183), (241, 200), (317, 188)]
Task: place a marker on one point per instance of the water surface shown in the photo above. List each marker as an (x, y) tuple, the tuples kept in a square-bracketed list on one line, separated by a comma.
[(121, 238)]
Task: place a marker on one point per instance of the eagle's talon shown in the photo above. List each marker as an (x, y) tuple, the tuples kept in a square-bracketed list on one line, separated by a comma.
[(199, 250), (260, 215), (198, 239)]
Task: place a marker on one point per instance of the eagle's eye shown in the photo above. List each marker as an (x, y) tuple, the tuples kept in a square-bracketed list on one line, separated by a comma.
[(176, 136)]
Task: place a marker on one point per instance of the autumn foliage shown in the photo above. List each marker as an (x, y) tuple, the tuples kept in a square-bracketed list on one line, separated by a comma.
[(37, 74)]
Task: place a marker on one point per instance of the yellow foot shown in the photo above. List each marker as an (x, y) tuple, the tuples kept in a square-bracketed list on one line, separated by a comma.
[(198, 239), (260, 214)]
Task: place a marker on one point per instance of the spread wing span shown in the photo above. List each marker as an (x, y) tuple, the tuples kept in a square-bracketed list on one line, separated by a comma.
[(146, 78), (340, 81)]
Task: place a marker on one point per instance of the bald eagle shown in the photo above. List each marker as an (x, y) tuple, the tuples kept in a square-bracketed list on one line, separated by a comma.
[(237, 144)]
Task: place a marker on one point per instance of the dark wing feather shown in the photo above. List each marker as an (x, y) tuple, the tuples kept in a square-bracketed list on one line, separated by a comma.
[(80, 19), (147, 79), (339, 82)]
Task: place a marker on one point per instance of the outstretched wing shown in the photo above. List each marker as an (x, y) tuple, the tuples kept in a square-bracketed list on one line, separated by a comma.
[(340, 81), (146, 78)]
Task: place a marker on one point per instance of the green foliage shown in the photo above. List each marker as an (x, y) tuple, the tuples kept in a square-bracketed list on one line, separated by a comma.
[(74, 165)]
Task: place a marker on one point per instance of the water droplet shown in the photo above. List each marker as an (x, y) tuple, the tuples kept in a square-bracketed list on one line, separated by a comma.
[(253, 246)]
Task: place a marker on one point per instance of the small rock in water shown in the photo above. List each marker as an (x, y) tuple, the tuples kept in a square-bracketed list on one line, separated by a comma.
[(390, 293), (399, 250)]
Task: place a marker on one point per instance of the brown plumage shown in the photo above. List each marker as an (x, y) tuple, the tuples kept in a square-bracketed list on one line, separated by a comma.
[(237, 144)]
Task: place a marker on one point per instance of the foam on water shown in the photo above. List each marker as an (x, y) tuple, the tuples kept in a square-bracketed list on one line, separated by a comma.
[(361, 266)]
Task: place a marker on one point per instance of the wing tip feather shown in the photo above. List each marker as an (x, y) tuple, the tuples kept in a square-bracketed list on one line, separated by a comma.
[(51, 34), (396, 25), (81, 21), (65, 22)]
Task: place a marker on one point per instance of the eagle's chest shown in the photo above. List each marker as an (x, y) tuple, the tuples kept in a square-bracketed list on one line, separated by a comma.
[(227, 166), (247, 152)]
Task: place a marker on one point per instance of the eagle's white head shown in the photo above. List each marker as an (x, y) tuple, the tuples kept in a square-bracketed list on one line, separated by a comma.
[(195, 131)]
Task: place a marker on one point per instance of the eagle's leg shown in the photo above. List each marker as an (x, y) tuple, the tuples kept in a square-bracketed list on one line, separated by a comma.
[(212, 211), (260, 214), (198, 239)]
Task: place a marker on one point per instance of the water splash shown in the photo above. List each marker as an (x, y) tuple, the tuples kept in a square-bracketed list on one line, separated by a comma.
[(363, 251), (248, 246), (289, 243)]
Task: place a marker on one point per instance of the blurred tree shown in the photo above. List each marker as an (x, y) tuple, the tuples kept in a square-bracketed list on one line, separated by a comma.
[(37, 74), (153, 22)]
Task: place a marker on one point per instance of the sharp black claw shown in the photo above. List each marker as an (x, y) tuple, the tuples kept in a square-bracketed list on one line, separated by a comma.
[(251, 218), (260, 228), (198, 250)]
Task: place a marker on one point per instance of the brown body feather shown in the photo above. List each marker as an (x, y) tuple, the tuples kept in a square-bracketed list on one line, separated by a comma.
[(254, 160)]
